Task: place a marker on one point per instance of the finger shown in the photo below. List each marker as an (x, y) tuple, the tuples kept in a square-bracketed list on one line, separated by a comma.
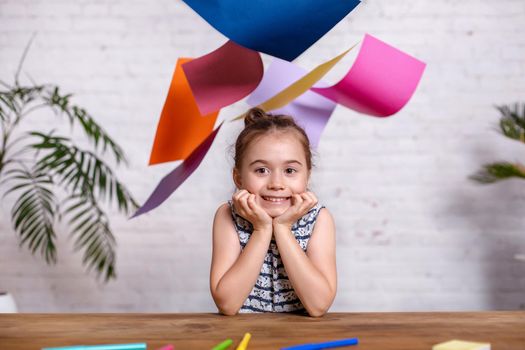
[(238, 194), (235, 200), (297, 200), (243, 194), (252, 204), (257, 209), (242, 201), (310, 199), (306, 203), (313, 197), (243, 198), (236, 197)]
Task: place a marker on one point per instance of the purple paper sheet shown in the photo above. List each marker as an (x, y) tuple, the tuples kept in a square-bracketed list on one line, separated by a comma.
[(174, 179), (310, 110)]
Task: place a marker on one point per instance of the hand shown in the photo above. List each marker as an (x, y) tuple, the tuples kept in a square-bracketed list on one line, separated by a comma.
[(246, 206), (301, 204)]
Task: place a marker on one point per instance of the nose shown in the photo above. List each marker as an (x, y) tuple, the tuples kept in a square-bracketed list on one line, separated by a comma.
[(276, 181)]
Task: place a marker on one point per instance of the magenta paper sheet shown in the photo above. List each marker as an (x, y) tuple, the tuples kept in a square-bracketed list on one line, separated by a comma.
[(380, 82), (223, 76)]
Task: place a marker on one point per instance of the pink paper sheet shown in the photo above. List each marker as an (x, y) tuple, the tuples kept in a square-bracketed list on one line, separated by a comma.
[(380, 82), (223, 76), (309, 110)]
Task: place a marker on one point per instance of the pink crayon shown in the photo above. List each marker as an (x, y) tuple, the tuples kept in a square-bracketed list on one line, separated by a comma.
[(167, 347)]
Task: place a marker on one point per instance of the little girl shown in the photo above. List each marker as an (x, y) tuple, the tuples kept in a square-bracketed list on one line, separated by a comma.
[(273, 245)]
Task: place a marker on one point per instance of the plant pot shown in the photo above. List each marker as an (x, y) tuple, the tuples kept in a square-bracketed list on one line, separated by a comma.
[(7, 303)]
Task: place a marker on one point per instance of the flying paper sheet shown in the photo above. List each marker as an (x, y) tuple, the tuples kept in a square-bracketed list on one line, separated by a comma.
[(223, 76), (173, 180), (280, 28), (310, 110), (181, 127), (380, 82), (299, 87)]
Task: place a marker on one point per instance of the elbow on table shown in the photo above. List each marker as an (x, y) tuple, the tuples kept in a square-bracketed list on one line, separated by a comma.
[(319, 307), (224, 303), (227, 309), (316, 311)]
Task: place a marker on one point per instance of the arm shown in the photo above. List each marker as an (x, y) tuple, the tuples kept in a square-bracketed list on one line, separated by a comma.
[(234, 272), (312, 274)]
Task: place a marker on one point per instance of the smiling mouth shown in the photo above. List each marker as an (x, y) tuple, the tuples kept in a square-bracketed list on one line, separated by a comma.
[(275, 199)]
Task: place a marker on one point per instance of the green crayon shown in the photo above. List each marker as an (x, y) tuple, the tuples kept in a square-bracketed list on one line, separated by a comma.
[(224, 345)]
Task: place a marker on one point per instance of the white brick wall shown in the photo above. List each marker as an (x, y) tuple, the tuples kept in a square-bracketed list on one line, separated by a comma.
[(413, 232)]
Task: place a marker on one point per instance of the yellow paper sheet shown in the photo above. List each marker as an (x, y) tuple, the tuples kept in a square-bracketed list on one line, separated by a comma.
[(461, 345)]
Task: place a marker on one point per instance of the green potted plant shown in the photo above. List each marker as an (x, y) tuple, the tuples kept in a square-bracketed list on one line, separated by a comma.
[(52, 180), (7, 303), (511, 125)]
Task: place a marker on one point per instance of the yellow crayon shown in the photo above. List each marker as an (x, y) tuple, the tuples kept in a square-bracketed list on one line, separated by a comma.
[(244, 342)]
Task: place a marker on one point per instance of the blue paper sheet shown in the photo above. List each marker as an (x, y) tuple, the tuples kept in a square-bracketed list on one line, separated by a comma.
[(281, 28)]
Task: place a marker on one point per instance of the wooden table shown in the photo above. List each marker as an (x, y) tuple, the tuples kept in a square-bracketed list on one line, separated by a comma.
[(381, 331)]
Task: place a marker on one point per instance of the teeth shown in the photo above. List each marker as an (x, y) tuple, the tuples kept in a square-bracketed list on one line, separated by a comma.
[(275, 199)]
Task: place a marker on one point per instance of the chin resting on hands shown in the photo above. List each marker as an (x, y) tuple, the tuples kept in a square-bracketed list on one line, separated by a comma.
[(246, 206), (301, 204)]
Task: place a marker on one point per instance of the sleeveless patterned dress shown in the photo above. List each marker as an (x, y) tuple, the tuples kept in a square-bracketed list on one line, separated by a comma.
[(273, 292)]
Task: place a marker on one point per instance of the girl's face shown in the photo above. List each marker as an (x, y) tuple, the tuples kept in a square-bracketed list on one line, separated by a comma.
[(273, 168)]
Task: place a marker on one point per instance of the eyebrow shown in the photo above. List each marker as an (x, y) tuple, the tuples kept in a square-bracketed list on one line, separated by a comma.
[(265, 162)]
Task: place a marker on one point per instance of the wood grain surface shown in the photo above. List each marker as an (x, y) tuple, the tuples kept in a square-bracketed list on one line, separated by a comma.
[(381, 331)]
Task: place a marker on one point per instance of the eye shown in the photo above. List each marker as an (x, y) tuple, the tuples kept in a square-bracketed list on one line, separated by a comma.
[(290, 171), (262, 170)]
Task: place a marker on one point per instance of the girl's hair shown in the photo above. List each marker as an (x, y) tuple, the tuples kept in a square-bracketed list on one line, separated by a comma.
[(257, 122)]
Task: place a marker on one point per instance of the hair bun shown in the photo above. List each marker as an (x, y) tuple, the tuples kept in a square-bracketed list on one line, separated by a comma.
[(257, 122), (254, 115)]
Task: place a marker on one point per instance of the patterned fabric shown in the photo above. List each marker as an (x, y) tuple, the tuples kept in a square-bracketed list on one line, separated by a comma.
[(273, 292)]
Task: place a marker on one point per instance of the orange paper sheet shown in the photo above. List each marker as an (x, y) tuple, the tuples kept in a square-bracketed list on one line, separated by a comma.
[(181, 127)]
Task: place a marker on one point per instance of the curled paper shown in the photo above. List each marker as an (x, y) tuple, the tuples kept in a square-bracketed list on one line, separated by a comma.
[(223, 76), (380, 82)]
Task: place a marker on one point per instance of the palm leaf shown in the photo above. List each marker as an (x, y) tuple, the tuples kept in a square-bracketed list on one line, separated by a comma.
[(33, 214), (494, 172), (20, 99), (92, 234), (93, 131), (512, 124), (57, 161), (81, 170), (8, 103)]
